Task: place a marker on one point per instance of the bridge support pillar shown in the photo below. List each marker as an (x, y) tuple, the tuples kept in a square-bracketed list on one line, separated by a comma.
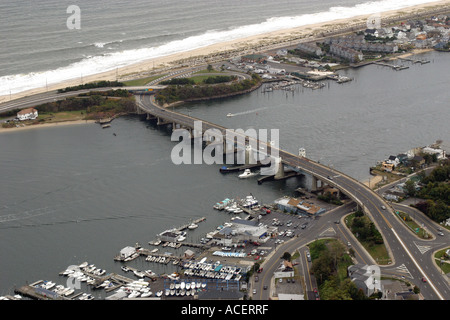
[(314, 183), (161, 122), (249, 157), (280, 169)]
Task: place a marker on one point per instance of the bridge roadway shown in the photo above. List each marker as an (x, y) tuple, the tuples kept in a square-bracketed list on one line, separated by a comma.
[(371, 203)]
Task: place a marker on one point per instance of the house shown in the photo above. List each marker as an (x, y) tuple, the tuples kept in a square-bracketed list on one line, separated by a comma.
[(27, 114), (365, 278), (418, 161), (346, 53), (310, 47), (402, 157), (393, 160), (388, 167)]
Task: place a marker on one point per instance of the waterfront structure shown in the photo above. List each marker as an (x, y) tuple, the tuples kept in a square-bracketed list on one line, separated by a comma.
[(346, 53), (27, 114), (127, 252), (296, 206)]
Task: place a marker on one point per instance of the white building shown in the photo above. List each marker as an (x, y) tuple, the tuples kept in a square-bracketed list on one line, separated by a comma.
[(127, 252), (27, 114)]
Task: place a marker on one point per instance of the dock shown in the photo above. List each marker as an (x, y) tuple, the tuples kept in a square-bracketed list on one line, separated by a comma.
[(184, 227), (421, 61), (243, 167), (393, 66)]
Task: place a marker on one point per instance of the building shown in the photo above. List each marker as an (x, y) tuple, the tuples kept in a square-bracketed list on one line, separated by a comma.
[(346, 53), (365, 279), (27, 114), (127, 252), (296, 206), (242, 231), (311, 48)]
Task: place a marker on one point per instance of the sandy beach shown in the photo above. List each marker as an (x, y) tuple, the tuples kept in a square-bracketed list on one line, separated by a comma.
[(220, 51), (45, 125)]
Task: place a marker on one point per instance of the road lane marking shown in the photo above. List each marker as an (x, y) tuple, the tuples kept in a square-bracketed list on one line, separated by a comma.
[(418, 267)]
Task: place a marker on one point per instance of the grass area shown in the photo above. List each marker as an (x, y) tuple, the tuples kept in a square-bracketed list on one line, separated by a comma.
[(141, 82), (199, 79), (410, 223), (445, 266), (377, 251), (61, 116), (207, 71)]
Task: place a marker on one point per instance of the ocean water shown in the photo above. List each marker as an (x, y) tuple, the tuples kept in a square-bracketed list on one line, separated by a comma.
[(37, 48)]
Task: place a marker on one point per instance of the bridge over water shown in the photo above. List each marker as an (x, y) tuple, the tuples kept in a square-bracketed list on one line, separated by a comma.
[(368, 200)]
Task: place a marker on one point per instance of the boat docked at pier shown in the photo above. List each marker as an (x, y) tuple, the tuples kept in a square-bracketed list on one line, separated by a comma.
[(247, 174)]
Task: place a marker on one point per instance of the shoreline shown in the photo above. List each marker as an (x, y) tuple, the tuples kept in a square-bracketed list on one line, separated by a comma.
[(46, 125), (238, 47)]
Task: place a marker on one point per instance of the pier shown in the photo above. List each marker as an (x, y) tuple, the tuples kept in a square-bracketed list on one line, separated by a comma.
[(394, 67), (421, 61)]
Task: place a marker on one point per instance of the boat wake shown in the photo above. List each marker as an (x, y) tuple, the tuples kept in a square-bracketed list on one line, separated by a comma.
[(246, 112)]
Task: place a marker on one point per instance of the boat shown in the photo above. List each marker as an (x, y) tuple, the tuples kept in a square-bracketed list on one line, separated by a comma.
[(229, 115), (134, 294), (222, 204), (188, 285), (124, 268), (106, 126), (146, 294), (48, 285), (249, 201), (247, 174), (182, 285), (159, 293), (181, 238), (192, 226)]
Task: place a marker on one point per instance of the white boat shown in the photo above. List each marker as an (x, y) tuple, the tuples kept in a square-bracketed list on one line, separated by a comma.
[(247, 174), (159, 293), (48, 285), (188, 285), (181, 238), (229, 115), (134, 294), (83, 265), (139, 273), (182, 285), (192, 226), (124, 268), (146, 294), (69, 292)]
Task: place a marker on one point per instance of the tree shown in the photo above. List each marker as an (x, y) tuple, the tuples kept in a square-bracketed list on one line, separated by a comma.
[(210, 68), (410, 188), (286, 256)]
